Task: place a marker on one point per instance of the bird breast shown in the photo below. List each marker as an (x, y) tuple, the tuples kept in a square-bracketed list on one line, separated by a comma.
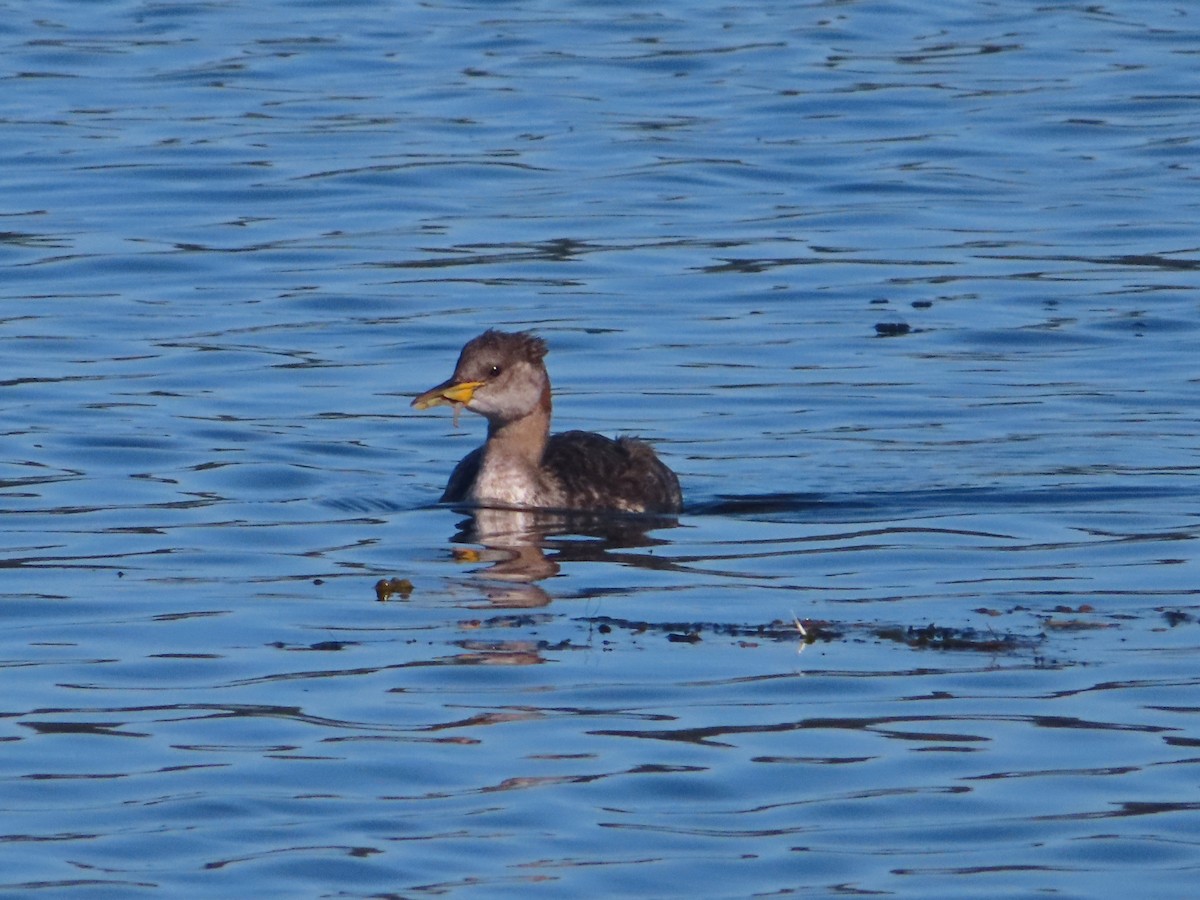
[(512, 482)]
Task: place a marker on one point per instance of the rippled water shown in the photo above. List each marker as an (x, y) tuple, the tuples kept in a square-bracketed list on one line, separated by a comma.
[(905, 293)]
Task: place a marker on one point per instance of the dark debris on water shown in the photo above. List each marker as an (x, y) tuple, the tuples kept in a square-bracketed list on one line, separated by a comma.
[(927, 636)]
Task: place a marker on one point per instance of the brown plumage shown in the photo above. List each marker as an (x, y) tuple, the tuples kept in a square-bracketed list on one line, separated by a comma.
[(502, 376)]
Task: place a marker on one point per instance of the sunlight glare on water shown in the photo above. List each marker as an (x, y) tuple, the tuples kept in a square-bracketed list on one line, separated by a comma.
[(906, 294)]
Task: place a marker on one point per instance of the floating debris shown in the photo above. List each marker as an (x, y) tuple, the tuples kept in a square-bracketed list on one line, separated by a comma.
[(930, 637), (934, 637), (387, 588)]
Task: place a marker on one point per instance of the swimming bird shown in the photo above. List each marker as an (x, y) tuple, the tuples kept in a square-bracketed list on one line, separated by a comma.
[(502, 376)]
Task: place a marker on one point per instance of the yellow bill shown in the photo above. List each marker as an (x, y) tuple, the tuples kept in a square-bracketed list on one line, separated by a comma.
[(447, 393)]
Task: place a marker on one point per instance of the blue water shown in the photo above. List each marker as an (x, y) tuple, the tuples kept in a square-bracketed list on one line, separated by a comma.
[(905, 293)]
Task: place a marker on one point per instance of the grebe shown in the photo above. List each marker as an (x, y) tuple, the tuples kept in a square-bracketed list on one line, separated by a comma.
[(501, 376)]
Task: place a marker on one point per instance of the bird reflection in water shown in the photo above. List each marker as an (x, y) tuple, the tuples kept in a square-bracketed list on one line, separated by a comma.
[(522, 547)]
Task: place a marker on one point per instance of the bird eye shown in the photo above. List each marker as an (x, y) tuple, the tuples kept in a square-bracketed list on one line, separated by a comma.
[(494, 371)]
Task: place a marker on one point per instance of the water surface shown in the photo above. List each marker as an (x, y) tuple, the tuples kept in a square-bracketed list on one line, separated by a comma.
[(905, 293)]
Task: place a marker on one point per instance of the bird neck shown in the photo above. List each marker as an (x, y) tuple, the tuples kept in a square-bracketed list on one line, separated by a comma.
[(524, 438)]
